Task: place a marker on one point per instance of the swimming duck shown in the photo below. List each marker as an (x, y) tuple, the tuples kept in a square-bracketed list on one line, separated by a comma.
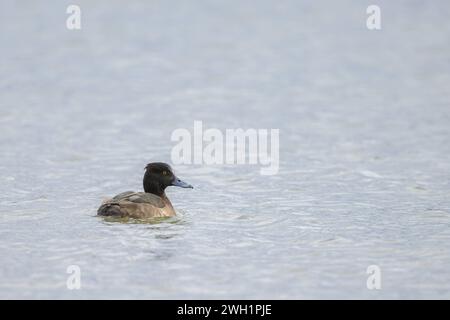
[(151, 203)]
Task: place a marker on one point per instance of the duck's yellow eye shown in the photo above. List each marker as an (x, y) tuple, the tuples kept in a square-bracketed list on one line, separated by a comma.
[(164, 173)]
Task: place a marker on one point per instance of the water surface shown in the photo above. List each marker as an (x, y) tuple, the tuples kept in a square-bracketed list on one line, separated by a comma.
[(364, 119)]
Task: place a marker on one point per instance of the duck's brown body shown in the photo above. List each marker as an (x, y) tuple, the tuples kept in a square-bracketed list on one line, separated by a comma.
[(138, 205)]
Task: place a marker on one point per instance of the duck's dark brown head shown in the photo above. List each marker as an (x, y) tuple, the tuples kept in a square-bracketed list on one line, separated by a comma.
[(158, 176)]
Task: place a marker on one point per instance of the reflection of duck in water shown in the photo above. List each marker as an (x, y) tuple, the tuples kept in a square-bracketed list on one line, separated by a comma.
[(151, 203)]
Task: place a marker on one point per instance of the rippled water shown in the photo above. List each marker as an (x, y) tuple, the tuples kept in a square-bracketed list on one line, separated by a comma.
[(364, 119)]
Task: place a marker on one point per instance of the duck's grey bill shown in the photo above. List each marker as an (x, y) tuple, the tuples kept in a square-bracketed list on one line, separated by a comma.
[(179, 183)]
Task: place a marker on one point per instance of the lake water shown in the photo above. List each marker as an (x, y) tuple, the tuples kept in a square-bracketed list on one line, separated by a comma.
[(364, 119)]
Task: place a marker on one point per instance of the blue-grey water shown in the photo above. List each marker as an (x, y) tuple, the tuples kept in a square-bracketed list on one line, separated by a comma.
[(364, 119)]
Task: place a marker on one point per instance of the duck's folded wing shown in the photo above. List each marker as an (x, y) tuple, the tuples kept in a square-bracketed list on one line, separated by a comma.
[(147, 198), (138, 197), (132, 204), (123, 195)]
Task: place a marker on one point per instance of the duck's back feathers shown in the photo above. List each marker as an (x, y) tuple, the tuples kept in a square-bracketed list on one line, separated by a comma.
[(136, 205), (139, 197)]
